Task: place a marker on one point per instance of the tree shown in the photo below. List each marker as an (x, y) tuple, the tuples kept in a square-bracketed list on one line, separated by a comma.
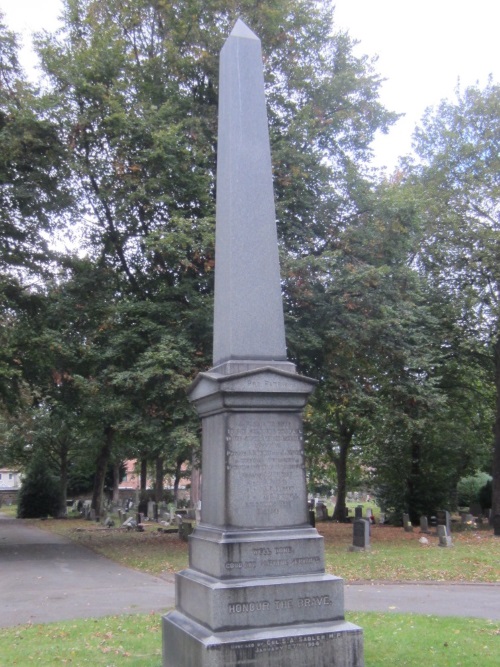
[(360, 322), (32, 171), (134, 86), (458, 179), (40, 494)]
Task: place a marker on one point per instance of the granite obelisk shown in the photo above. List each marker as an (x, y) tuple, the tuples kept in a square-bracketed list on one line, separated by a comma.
[(248, 320), (255, 593)]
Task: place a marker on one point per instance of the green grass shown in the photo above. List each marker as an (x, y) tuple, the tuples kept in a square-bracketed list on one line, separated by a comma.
[(390, 639), (9, 510), (412, 640), (394, 556), (399, 556), (135, 641), (131, 641)]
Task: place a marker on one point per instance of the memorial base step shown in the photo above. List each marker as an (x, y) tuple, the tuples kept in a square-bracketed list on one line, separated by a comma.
[(186, 643)]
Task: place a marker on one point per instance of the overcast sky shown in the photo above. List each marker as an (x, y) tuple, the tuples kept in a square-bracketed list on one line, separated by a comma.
[(424, 47)]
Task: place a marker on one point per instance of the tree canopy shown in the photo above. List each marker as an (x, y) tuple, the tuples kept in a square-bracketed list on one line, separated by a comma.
[(390, 285)]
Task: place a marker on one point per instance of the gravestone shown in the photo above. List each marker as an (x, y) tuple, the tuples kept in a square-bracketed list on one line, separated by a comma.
[(444, 537), (369, 513), (129, 523), (444, 519), (255, 592), (360, 535), (424, 525), (407, 523), (321, 512), (358, 512), (475, 509), (151, 510)]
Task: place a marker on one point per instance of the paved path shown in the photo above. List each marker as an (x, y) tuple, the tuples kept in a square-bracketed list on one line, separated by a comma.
[(45, 577), (478, 600)]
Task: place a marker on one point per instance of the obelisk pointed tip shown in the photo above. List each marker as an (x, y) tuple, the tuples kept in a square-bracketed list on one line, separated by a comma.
[(242, 30)]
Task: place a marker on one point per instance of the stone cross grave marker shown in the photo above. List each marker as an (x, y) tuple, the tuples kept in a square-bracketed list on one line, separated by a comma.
[(255, 592)]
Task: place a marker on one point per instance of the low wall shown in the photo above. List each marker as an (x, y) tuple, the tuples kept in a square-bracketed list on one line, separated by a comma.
[(8, 496)]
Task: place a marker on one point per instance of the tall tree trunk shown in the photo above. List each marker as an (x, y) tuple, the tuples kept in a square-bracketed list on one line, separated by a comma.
[(495, 505), (102, 462), (195, 495), (63, 475), (159, 474), (144, 473), (340, 461), (413, 483), (177, 479), (116, 482)]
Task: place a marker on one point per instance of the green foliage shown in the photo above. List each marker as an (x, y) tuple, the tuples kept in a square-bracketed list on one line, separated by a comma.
[(458, 184), (121, 142), (371, 330), (468, 488), (485, 495), (134, 88), (40, 493)]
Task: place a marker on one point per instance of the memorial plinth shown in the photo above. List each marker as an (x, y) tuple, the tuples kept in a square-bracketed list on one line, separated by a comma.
[(255, 593)]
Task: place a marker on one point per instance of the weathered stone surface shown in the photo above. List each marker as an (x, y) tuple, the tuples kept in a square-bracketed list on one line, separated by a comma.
[(424, 525), (242, 453), (444, 519), (360, 535), (248, 322), (259, 602), (232, 555), (444, 538), (255, 593), (186, 642)]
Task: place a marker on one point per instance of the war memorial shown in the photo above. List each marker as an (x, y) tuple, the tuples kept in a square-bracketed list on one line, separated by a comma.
[(255, 593)]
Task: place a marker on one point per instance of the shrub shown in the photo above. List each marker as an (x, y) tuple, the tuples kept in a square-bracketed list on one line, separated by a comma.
[(40, 494), (468, 488), (485, 495)]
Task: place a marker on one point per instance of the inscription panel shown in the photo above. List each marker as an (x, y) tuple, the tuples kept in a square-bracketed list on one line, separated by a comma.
[(261, 603), (269, 557), (286, 603), (284, 644), (320, 645), (283, 558), (265, 470), (319, 649)]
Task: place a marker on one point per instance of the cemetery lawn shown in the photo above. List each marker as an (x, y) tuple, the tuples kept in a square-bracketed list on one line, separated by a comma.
[(135, 641), (399, 556), (394, 556)]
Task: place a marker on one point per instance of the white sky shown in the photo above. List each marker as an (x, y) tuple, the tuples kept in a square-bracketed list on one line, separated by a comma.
[(424, 48)]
